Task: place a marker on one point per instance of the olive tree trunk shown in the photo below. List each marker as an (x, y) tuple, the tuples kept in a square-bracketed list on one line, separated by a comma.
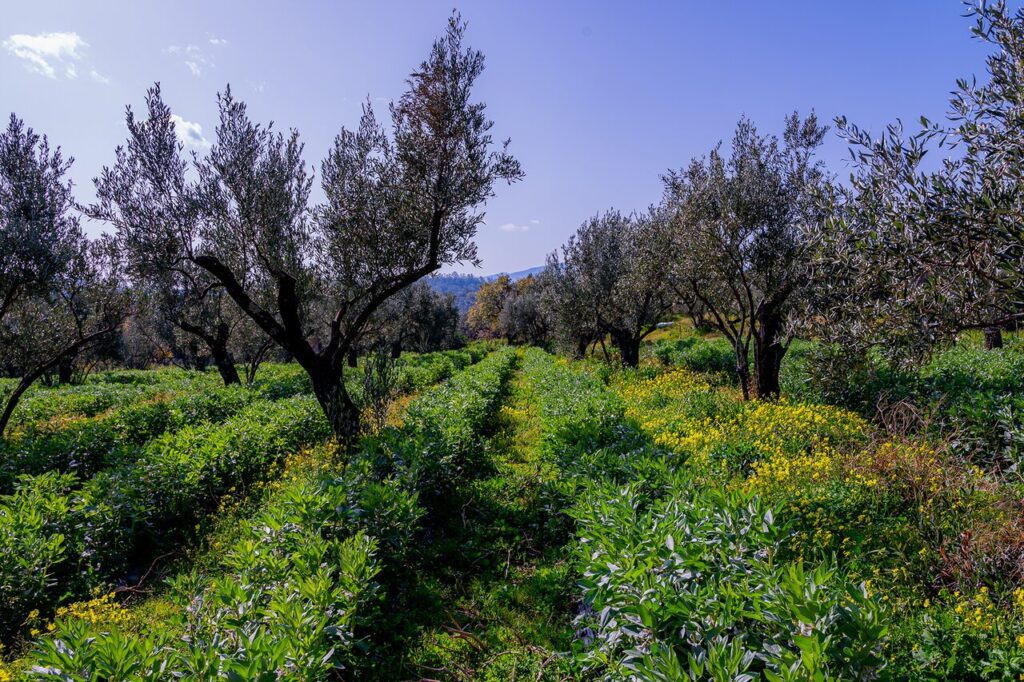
[(338, 406), (33, 374), (225, 363), (993, 338), (629, 348), (768, 353)]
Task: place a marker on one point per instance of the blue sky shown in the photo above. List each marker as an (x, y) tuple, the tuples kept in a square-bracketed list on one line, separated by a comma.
[(599, 98)]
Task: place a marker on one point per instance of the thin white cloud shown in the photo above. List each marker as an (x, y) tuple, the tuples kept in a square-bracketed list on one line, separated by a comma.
[(214, 40), (189, 133), (534, 221), (514, 227), (99, 77), (48, 53), (194, 59)]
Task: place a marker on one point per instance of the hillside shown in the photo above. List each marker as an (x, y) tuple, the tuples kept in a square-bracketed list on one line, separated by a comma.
[(464, 286)]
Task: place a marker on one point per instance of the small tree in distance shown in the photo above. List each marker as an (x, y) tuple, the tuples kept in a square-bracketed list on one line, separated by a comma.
[(614, 279), (523, 318), (483, 316)]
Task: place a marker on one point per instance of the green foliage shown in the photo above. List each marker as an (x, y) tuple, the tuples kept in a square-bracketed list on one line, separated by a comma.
[(532, 517), (418, 371), (578, 414), (125, 514), (967, 395), (493, 591), (290, 591), (961, 636), (286, 604), (684, 573), (706, 356), (688, 587), (439, 443)]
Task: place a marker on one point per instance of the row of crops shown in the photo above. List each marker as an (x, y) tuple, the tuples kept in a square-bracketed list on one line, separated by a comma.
[(297, 582), (126, 486), (791, 541), (529, 518)]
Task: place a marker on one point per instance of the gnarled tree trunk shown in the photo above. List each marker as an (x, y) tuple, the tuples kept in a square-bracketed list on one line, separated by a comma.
[(767, 365), (629, 348), (217, 344), (66, 370), (225, 363), (338, 406), (768, 351), (993, 338), (581, 348)]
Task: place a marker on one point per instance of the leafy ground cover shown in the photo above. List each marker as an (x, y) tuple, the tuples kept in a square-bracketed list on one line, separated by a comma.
[(68, 537), (286, 592), (926, 544), (537, 518)]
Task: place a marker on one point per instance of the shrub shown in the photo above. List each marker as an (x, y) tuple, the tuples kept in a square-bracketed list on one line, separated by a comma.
[(578, 413), (439, 443)]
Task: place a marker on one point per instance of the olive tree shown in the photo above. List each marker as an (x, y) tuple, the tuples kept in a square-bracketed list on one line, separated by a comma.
[(523, 318), (564, 304), (619, 266), (910, 258), (59, 293), (398, 205), (739, 224), (417, 318), (148, 197)]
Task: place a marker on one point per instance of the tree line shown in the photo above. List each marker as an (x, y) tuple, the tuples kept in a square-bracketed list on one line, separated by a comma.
[(224, 252), (760, 242)]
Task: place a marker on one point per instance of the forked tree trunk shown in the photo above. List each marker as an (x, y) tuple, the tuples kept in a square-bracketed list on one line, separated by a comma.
[(217, 343), (256, 361), (341, 411), (993, 338)]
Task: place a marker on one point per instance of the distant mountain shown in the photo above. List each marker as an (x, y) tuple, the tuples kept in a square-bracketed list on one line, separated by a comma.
[(464, 287), (517, 275)]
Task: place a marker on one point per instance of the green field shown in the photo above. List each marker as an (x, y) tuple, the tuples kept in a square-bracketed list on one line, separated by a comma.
[(521, 516)]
